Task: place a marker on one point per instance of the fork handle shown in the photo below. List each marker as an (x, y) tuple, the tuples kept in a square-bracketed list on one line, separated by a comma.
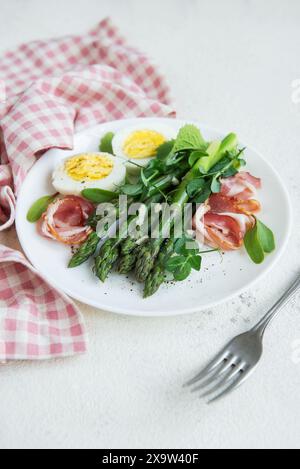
[(265, 321)]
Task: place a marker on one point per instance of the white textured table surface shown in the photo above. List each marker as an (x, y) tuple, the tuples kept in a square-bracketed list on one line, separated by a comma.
[(230, 65)]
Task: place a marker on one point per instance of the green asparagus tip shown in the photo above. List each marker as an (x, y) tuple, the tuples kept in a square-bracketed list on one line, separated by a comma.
[(73, 263), (128, 245), (106, 259), (127, 263), (86, 250), (154, 280), (146, 259)]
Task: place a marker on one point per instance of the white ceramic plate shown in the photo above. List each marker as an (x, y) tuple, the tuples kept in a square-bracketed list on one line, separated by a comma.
[(220, 278)]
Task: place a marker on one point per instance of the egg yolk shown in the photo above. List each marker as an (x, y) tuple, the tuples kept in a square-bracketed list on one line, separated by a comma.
[(142, 143), (89, 167)]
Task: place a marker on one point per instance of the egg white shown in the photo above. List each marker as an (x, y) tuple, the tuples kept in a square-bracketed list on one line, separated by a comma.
[(133, 164), (65, 185)]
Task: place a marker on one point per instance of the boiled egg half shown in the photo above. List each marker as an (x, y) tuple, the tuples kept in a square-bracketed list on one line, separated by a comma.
[(88, 171), (138, 144)]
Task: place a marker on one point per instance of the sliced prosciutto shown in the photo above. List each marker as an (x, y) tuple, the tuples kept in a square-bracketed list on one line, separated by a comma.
[(65, 220), (224, 231), (224, 219), (3, 215), (242, 186), (220, 203)]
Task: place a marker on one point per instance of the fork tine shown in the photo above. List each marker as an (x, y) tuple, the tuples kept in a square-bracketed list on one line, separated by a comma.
[(210, 367), (209, 377), (238, 381), (218, 373), (225, 378)]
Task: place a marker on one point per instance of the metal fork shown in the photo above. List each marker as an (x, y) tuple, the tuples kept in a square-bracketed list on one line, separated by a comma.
[(237, 361)]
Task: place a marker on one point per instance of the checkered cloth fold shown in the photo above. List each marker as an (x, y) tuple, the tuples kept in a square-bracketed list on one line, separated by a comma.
[(48, 91)]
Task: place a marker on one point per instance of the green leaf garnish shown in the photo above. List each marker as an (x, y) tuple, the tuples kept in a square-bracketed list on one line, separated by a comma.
[(174, 262), (189, 138), (220, 166), (174, 159), (242, 162), (179, 266), (215, 186), (132, 189), (196, 262), (187, 257), (98, 196), (253, 246), (165, 149), (228, 166), (106, 143), (186, 246), (39, 207), (266, 237), (231, 171), (195, 186), (147, 177), (204, 194), (259, 241)]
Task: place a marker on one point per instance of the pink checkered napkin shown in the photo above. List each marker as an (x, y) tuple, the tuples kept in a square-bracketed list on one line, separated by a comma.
[(48, 91), (37, 321)]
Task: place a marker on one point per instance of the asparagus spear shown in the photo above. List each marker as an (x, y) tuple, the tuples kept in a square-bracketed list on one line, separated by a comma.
[(157, 274), (127, 246), (86, 250), (104, 262), (146, 258), (127, 262)]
